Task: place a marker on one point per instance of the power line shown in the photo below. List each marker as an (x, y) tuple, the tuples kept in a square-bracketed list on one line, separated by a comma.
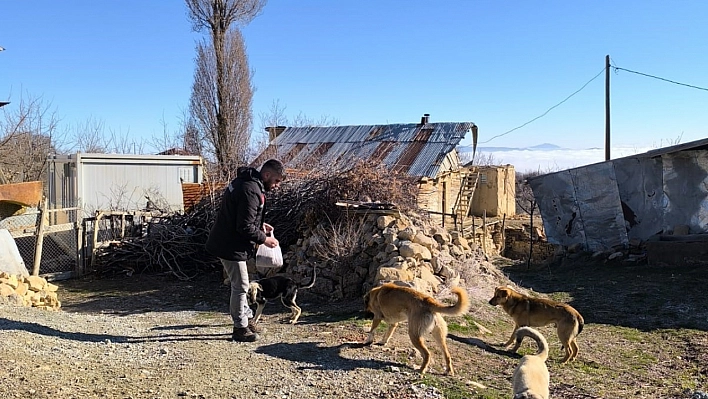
[(547, 111), (656, 77)]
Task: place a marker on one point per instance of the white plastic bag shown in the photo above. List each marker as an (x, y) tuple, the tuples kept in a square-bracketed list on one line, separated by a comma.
[(269, 258)]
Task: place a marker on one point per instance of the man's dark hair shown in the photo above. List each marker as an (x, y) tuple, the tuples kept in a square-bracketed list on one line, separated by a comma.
[(275, 166)]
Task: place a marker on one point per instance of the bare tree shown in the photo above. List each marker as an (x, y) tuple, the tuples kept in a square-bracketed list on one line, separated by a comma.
[(276, 116), (28, 133), (122, 143), (88, 136), (301, 120), (220, 105)]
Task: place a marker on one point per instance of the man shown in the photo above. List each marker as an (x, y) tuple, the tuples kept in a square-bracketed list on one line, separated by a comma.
[(238, 228)]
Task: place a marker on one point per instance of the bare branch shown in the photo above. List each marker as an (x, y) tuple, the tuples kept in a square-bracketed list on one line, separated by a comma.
[(219, 15)]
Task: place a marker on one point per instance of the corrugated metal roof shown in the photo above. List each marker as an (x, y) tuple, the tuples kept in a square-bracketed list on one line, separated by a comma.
[(416, 149)]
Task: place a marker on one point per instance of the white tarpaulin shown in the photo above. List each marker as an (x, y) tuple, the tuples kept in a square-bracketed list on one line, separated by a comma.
[(10, 259)]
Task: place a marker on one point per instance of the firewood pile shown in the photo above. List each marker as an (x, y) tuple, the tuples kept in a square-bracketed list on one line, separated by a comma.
[(171, 243), (303, 203), (175, 243)]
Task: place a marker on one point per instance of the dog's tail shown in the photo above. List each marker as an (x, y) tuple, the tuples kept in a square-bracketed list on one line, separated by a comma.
[(312, 283), (581, 323), (538, 337), (462, 305)]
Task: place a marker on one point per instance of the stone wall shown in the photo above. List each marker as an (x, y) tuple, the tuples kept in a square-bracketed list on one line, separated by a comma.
[(353, 257)]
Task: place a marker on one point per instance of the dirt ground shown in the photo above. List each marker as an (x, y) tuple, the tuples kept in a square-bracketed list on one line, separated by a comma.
[(157, 337)]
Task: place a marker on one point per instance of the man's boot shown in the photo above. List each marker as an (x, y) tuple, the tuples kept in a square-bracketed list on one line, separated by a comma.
[(244, 334)]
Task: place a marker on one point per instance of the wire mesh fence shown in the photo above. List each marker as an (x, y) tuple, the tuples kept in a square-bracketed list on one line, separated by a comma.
[(50, 246)]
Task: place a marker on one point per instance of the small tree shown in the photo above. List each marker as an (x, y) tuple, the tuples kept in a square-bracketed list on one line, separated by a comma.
[(220, 105)]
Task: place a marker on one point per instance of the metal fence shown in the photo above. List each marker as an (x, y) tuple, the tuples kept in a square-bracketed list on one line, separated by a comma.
[(60, 244), (48, 242)]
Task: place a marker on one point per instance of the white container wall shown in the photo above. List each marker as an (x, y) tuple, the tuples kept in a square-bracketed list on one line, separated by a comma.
[(120, 182)]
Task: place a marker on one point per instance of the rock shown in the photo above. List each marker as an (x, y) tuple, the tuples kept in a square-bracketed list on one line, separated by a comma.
[(427, 275), (462, 241), (425, 241), (22, 289), (10, 280), (425, 286), (392, 273), (410, 249), (6, 290), (407, 234), (448, 272), (385, 221), (615, 255), (389, 235), (36, 283)]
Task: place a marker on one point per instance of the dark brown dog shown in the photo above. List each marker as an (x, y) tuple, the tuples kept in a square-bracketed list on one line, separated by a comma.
[(539, 312), (393, 304)]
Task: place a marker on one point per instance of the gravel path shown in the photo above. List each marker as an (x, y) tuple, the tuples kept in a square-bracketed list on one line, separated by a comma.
[(108, 349)]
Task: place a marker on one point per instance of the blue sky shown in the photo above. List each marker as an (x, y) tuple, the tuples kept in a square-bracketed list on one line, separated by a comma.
[(498, 64)]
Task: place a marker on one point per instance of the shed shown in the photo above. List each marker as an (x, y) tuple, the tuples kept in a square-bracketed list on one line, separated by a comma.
[(119, 181), (495, 192), (424, 150), (607, 204)]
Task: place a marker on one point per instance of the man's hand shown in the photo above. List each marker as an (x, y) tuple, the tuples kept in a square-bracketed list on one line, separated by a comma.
[(270, 242)]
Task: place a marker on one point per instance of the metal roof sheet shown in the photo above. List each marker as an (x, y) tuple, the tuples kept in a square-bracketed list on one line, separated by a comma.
[(416, 149)]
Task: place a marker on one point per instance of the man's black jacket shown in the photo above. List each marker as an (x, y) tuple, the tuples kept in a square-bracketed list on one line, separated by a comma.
[(238, 225)]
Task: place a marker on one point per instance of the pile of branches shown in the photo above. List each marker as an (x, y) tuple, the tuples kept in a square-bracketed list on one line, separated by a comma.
[(176, 243), (306, 201), (170, 243)]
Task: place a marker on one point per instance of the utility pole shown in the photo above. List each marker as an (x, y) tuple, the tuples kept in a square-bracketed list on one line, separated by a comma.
[(607, 108)]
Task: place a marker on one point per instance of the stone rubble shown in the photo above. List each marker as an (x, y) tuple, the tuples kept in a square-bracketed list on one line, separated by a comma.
[(31, 291)]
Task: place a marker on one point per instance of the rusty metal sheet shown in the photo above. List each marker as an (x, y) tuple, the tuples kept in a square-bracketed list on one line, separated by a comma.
[(413, 148)]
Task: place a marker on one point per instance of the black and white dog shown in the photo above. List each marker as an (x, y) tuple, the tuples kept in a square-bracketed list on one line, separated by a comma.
[(260, 291)]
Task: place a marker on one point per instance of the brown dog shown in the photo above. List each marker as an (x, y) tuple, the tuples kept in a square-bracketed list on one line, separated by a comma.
[(531, 377), (539, 312), (393, 304)]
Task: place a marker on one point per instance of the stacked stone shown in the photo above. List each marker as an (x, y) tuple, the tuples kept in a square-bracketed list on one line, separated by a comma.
[(31, 291), (398, 247)]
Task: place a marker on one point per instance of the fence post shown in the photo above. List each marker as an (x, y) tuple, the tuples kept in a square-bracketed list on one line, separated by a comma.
[(80, 265), (43, 219), (484, 232), (94, 241)]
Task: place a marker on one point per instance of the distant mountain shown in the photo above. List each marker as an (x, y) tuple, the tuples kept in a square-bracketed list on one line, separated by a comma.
[(540, 147), (545, 146)]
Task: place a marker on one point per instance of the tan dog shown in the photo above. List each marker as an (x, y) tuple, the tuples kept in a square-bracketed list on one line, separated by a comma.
[(539, 312), (531, 378), (393, 304)]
